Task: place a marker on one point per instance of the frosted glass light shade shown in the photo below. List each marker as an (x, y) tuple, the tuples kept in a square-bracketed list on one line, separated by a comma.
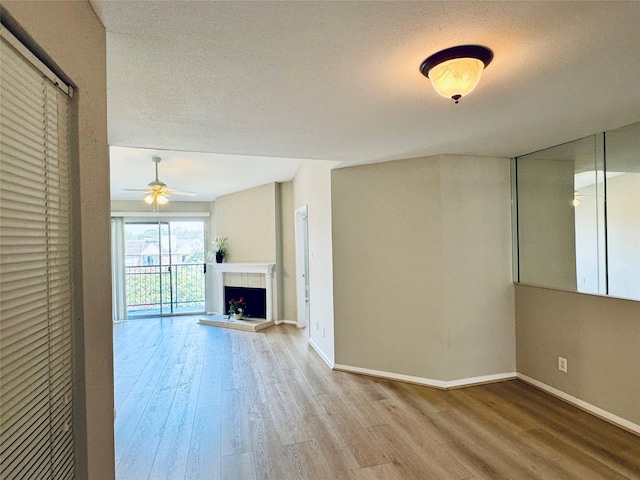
[(157, 198), (456, 77), (456, 71)]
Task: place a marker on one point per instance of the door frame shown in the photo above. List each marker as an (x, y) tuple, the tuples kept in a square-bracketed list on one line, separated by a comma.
[(302, 265)]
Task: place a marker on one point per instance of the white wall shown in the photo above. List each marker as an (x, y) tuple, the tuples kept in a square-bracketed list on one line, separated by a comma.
[(623, 235), (312, 187), (589, 234), (422, 267)]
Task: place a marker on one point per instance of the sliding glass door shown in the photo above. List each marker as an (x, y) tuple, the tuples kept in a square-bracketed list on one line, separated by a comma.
[(164, 267)]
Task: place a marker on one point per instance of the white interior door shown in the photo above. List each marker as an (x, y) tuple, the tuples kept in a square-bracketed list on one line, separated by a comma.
[(302, 266)]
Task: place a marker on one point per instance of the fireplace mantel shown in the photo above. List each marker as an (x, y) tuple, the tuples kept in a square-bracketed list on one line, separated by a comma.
[(265, 269)]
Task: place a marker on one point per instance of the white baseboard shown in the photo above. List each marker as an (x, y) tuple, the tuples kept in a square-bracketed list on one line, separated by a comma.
[(442, 384), (288, 322), (321, 353), (467, 382), (597, 411)]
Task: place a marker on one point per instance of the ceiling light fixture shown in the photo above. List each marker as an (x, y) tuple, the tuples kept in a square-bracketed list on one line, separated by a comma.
[(456, 71), (156, 198), (577, 197), (157, 193)]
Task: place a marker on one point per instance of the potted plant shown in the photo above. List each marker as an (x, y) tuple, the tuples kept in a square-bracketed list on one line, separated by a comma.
[(237, 307), (218, 248)]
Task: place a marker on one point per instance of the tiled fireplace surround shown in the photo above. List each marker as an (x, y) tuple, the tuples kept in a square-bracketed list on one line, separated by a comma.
[(250, 275)]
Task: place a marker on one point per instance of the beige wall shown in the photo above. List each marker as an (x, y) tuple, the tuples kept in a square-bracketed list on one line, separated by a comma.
[(312, 187), (248, 220), (599, 337), (422, 269), (258, 224), (73, 37), (288, 253)]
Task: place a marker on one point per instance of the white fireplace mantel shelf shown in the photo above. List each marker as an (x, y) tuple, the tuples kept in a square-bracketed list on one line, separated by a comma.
[(265, 269)]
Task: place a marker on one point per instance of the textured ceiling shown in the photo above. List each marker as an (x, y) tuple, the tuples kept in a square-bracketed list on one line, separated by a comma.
[(340, 81), (207, 175)]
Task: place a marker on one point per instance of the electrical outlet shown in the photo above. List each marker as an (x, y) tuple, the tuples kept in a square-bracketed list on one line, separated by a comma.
[(562, 364)]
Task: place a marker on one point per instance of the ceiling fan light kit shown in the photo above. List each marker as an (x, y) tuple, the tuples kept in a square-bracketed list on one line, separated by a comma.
[(158, 199), (158, 193), (456, 71)]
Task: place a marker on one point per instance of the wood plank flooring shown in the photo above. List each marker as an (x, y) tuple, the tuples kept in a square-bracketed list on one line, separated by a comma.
[(198, 402)]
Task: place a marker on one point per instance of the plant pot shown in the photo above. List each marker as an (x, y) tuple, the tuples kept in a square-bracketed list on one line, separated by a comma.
[(219, 257), (238, 316)]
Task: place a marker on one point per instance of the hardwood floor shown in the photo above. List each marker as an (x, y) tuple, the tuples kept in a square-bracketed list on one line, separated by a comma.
[(199, 402)]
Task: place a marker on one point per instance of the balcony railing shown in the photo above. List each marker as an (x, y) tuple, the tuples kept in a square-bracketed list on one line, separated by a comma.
[(163, 289)]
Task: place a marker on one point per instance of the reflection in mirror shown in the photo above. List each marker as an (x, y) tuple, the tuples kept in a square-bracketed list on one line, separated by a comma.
[(564, 235), (588, 209), (623, 211), (560, 210)]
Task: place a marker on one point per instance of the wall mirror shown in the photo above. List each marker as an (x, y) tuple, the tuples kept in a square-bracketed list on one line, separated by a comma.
[(577, 215)]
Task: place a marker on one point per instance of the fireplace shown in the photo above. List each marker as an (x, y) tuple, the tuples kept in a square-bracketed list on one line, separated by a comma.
[(255, 299), (248, 276)]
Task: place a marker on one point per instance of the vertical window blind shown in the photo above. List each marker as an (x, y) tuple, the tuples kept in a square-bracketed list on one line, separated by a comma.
[(36, 437)]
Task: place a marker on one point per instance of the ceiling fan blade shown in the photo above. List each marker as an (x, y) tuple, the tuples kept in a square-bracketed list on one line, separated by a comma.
[(170, 191), (157, 191)]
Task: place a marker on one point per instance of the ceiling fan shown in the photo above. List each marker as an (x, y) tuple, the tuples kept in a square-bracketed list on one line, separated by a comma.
[(157, 191)]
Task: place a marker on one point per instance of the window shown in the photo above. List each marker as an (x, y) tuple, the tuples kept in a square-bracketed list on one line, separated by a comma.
[(36, 439), (158, 266)]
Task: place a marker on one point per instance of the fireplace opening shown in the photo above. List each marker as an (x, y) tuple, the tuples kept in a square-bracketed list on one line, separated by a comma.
[(255, 298)]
